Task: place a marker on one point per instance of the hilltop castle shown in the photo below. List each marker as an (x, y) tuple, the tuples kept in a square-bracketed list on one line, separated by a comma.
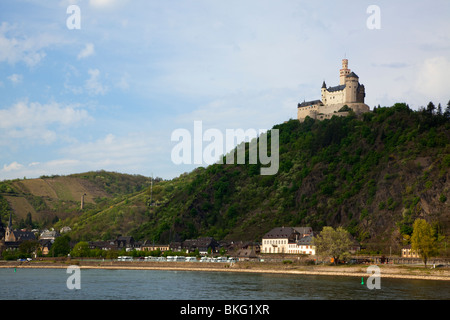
[(348, 93)]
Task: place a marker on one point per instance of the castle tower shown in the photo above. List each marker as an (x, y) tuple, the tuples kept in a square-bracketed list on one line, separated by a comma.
[(351, 88), (324, 92), (344, 71)]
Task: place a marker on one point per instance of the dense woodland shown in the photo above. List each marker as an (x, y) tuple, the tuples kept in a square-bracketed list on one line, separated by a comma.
[(373, 175)]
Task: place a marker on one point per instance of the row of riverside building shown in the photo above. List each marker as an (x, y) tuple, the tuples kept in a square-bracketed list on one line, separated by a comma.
[(280, 240), (285, 240)]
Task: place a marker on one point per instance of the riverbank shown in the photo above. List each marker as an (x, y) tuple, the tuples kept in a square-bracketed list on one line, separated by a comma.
[(386, 271)]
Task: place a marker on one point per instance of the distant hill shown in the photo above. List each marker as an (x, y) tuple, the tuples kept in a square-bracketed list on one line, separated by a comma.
[(48, 199), (373, 175)]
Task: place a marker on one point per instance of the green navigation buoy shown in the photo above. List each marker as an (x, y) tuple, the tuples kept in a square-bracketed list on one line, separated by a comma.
[(362, 280), (14, 269)]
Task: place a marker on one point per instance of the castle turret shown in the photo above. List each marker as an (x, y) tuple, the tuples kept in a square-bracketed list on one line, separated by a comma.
[(344, 71), (324, 92)]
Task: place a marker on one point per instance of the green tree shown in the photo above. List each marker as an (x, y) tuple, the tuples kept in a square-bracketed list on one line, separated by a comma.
[(61, 246), (28, 247), (430, 108), (423, 240), (81, 249), (333, 243)]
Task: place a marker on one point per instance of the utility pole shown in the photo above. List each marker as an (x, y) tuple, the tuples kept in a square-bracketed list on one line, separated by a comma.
[(82, 201), (151, 191)]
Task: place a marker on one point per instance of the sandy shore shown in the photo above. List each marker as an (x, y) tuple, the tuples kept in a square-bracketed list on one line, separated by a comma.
[(386, 271)]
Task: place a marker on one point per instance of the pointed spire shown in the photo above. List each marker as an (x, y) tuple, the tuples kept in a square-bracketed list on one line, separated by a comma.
[(324, 85)]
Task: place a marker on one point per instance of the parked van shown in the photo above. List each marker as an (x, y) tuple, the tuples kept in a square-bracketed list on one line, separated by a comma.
[(191, 259), (150, 258), (179, 258), (222, 259), (125, 258)]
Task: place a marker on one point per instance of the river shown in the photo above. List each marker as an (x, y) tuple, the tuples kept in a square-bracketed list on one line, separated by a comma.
[(103, 284)]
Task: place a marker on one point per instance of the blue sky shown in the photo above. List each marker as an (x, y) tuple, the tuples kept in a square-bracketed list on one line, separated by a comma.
[(109, 95)]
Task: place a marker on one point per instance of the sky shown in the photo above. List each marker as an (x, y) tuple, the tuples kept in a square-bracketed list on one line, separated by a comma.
[(104, 87)]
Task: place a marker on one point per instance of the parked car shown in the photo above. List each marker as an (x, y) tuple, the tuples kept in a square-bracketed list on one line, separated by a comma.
[(191, 259)]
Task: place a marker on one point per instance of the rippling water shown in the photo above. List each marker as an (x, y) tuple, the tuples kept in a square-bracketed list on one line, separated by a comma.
[(96, 284)]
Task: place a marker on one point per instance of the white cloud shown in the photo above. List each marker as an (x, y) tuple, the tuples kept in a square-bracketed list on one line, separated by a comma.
[(33, 121), (134, 153), (432, 79), (112, 150), (15, 78), (15, 47), (123, 83), (252, 109), (14, 166), (87, 51), (93, 84), (102, 4), (37, 169)]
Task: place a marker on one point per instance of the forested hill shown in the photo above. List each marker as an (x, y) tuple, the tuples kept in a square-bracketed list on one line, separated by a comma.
[(374, 175)]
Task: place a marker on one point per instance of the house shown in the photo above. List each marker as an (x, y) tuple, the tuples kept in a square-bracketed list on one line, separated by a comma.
[(65, 229), (304, 245), (13, 238), (408, 252), (49, 234), (103, 245), (147, 246), (175, 246), (126, 243), (46, 245), (202, 244), (247, 254), (291, 240)]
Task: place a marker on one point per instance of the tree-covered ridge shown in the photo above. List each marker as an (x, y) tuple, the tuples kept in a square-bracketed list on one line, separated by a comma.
[(373, 175)]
